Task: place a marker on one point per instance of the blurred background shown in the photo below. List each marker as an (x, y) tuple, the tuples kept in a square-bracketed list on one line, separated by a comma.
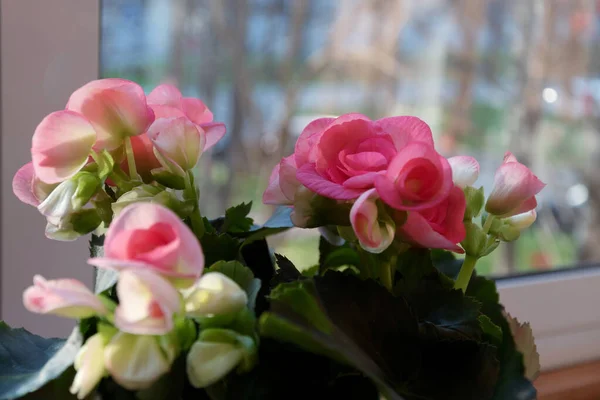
[(487, 75)]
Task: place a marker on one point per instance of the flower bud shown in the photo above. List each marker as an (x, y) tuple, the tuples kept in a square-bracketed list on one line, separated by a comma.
[(148, 194), (64, 297), (209, 362), (216, 353), (73, 225), (373, 227), (135, 362), (465, 171), (214, 293), (475, 200), (522, 221), (89, 364)]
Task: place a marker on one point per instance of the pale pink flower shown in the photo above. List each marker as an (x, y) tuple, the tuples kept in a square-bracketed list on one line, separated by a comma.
[(61, 145), (89, 364), (515, 187), (438, 227), (374, 231), (147, 303), (465, 170), (150, 236), (64, 297), (167, 102), (116, 108), (178, 143)]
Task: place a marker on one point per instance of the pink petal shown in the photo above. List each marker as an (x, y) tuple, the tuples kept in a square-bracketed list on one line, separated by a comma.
[(161, 111), (344, 130), (417, 230), (513, 184), (139, 314), (405, 129), (526, 206), (509, 157), (287, 177), (308, 138), (214, 132), (308, 176), (364, 181), (273, 194), (61, 145), (116, 108), (166, 95), (22, 185), (197, 111), (465, 170)]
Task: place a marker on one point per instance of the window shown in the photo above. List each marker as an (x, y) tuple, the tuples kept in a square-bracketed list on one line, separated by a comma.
[(487, 75)]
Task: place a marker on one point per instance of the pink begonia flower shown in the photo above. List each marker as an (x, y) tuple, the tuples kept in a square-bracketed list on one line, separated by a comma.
[(147, 303), (465, 170), (28, 188), (417, 178), (150, 236), (515, 187), (116, 108), (342, 158), (438, 227), (374, 233), (282, 183), (178, 143), (167, 102), (61, 145), (64, 297)]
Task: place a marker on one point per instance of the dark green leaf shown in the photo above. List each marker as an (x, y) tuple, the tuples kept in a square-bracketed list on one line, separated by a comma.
[(341, 256), (287, 271), (258, 258), (28, 361), (286, 372), (236, 218), (218, 247), (279, 222), (328, 316), (310, 272), (512, 383), (493, 331), (241, 275)]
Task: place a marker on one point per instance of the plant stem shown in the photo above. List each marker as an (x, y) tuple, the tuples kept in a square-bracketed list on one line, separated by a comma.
[(387, 275), (196, 217), (462, 281), (131, 159), (488, 224)]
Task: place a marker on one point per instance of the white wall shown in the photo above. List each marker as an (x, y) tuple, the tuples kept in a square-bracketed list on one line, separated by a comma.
[(45, 55)]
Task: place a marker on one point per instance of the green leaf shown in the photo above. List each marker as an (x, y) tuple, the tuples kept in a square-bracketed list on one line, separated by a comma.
[(218, 247), (241, 275), (287, 271), (236, 218), (525, 344), (310, 272), (327, 315), (28, 362), (257, 257), (512, 382), (490, 329), (341, 256)]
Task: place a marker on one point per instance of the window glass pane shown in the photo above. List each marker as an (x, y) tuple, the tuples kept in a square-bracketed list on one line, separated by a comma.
[(487, 75)]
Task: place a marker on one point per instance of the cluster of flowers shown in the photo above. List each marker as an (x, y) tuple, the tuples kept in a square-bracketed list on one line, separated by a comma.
[(399, 187), (116, 159), (119, 162)]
